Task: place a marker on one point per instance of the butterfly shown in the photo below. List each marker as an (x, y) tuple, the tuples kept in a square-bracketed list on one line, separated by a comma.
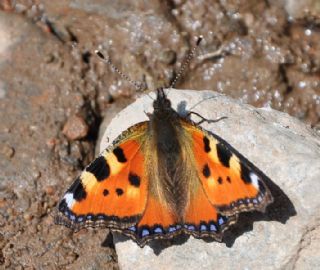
[(164, 177)]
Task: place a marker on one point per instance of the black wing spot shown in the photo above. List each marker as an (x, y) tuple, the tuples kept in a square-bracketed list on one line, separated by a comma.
[(206, 142), (105, 192), (206, 171), (119, 191), (77, 190), (134, 180), (224, 154), (118, 152), (229, 179), (99, 168), (220, 180), (245, 173)]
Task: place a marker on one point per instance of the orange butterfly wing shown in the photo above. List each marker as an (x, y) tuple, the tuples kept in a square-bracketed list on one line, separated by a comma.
[(112, 190), (231, 183)]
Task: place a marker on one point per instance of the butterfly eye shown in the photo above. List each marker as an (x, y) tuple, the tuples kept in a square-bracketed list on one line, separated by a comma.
[(167, 103)]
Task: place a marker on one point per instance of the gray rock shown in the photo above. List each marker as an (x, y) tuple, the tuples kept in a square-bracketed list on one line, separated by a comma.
[(284, 149)]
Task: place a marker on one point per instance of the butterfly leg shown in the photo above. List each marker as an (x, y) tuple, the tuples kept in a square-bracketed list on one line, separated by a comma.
[(205, 119)]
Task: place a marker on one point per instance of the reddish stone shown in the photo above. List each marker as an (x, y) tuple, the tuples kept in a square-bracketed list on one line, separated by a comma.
[(75, 128)]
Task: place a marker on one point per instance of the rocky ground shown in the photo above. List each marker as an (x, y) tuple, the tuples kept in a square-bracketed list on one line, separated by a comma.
[(54, 93)]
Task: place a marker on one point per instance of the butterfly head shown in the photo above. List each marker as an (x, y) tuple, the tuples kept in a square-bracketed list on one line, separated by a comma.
[(162, 105)]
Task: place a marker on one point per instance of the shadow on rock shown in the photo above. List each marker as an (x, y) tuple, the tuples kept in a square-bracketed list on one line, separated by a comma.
[(280, 210)]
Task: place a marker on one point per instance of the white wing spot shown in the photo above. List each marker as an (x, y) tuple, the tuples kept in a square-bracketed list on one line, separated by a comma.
[(254, 180), (69, 199)]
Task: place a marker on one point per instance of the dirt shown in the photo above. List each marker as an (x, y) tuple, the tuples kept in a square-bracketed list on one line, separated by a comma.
[(252, 50)]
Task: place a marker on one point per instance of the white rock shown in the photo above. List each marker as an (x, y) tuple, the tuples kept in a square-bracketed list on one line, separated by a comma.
[(284, 149), (297, 8)]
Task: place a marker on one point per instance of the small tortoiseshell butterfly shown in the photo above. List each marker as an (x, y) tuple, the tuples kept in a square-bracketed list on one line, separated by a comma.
[(164, 177)]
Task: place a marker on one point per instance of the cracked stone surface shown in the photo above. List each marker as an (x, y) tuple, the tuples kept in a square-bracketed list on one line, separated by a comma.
[(287, 235)]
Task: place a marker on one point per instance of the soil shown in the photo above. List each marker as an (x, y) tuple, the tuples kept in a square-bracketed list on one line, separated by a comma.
[(50, 79)]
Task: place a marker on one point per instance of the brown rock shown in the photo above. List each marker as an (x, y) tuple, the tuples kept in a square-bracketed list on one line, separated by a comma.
[(75, 128)]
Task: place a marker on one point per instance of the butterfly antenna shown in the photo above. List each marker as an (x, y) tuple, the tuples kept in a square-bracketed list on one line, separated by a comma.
[(138, 85), (186, 62)]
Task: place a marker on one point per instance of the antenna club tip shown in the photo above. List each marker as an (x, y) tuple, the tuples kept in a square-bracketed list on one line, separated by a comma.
[(199, 39), (97, 52)]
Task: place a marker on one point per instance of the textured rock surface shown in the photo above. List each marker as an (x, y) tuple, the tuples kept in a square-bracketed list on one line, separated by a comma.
[(281, 146)]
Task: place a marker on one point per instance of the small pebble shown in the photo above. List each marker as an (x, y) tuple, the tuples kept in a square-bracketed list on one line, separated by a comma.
[(168, 57), (248, 19), (3, 203), (10, 211), (69, 179), (36, 174), (52, 142), (52, 202), (75, 128), (27, 216), (49, 58), (2, 91), (7, 151), (45, 207), (1, 238), (49, 190)]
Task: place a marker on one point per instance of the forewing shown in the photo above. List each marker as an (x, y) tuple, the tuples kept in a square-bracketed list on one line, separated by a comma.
[(112, 190)]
